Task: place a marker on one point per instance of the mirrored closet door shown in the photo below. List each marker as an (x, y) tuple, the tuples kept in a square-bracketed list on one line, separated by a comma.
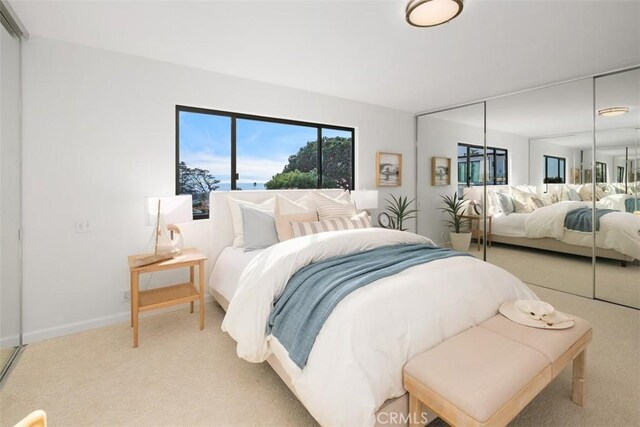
[(616, 180), (547, 136), (524, 165), (10, 197), (450, 156)]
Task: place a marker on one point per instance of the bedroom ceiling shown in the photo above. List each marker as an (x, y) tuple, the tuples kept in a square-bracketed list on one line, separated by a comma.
[(563, 113), (361, 50)]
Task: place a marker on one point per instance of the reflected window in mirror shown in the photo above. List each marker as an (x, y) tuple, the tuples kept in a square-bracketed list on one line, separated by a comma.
[(601, 172), (470, 165), (554, 170), (620, 174)]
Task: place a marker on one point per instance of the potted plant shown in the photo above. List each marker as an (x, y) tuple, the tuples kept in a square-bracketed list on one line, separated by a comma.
[(399, 212), (459, 231)]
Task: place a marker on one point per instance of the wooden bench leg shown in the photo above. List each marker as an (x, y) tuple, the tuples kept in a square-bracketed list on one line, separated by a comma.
[(579, 365), (415, 411)]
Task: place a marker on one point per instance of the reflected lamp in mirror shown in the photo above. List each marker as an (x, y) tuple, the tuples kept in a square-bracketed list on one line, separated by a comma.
[(365, 199), (474, 197), (613, 111)]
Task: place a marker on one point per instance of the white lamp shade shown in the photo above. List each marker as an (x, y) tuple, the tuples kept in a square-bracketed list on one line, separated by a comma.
[(174, 209), (473, 193), (365, 199)]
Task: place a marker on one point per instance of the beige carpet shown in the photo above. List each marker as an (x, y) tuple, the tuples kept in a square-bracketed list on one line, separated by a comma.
[(569, 273), (182, 376)]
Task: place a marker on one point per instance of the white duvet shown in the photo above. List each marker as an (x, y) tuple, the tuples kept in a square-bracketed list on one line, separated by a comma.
[(619, 231), (357, 359)]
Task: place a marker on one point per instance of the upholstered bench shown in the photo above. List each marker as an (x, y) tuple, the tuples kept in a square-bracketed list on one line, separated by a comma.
[(486, 375)]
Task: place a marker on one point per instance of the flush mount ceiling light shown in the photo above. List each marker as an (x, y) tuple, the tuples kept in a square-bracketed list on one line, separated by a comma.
[(613, 111), (429, 13)]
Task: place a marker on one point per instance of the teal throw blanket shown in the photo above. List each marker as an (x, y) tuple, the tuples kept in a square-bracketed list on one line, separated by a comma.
[(580, 219), (315, 290)]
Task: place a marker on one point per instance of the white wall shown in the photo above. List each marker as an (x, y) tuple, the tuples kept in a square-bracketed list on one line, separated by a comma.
[(99, 136), (603, 158), (440, 138), (9, 191)]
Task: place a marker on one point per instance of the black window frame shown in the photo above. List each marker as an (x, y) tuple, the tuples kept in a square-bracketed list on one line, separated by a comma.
[(467, 180), (546, 169), (234, 116), (603, 165), (620, 174)]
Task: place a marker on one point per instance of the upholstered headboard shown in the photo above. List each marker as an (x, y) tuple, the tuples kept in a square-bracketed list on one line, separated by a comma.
[(221, 225)]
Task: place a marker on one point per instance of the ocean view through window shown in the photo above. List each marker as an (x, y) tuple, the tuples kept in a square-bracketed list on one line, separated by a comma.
[(222, 151)]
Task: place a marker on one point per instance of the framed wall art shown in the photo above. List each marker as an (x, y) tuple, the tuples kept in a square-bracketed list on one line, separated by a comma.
[(388, 169), (440, 171)]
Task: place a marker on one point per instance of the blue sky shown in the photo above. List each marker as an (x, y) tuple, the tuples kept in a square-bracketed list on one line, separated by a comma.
[(263, 148)]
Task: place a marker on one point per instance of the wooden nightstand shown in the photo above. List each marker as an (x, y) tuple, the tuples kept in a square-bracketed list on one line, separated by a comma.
[(170, 295), (476, 231)]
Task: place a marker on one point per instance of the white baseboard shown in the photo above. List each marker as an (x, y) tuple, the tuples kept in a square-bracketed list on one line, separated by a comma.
[(10, 341), (85, 325)]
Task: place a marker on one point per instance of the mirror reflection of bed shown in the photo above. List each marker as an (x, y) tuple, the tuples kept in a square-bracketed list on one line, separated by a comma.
[(539, 205)]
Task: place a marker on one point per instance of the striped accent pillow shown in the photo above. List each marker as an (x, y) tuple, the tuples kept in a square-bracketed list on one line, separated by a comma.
[(335, 224), (329, 208)]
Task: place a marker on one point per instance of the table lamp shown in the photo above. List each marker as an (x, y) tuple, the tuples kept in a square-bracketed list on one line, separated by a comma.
[(365, 199), (163, 213)]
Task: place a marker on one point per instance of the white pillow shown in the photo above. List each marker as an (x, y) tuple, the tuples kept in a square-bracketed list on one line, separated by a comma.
[(236, 215), (335, 224), (521, 200), (287, 211), (504, 203), (329, 208), (492, 204)]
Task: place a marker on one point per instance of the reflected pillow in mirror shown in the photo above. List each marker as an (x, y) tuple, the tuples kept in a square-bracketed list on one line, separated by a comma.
[(537, 203), (505, 203)]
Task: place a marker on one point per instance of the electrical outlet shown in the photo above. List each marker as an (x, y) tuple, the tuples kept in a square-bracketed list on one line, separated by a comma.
[(126, 295), (84, 226)]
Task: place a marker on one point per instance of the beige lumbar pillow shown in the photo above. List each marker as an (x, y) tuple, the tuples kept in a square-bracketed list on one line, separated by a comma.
[(335, 224), (288, 211)]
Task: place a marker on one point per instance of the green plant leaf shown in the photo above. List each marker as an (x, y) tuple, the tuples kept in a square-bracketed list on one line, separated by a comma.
[(400, 211)]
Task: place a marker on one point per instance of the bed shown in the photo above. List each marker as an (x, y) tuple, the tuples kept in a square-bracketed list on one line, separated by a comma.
[(353, 375), (543, 228)]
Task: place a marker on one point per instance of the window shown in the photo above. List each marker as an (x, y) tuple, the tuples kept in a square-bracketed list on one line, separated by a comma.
[(620, 175), (601, 172), (218, 151), (554, 170), (470, 165)]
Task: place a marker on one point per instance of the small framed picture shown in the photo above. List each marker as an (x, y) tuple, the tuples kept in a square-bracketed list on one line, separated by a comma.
[(388, 169), (575, 176), (440, 171)]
